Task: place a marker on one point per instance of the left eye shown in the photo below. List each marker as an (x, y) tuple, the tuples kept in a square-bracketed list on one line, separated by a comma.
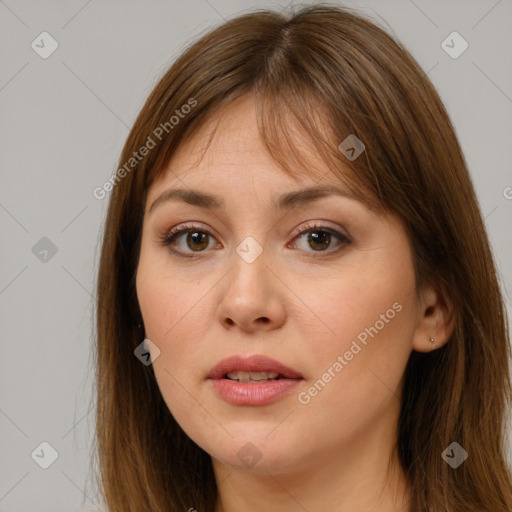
[(320, 238)]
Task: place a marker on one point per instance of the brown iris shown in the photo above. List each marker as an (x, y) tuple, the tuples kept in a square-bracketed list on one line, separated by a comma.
[(321, 239), (198, 238)]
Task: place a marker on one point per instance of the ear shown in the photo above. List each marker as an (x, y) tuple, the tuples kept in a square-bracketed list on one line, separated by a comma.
[(436, 320)]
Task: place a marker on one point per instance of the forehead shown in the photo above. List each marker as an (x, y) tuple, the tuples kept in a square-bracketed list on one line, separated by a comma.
[(228, 149)]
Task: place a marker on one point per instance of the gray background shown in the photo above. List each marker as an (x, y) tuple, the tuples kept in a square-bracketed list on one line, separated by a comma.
[(63, 122)]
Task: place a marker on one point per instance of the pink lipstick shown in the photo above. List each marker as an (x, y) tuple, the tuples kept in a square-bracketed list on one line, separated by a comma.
[(254, 380)]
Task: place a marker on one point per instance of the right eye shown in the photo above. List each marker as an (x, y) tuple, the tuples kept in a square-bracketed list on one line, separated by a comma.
[(196, 239)]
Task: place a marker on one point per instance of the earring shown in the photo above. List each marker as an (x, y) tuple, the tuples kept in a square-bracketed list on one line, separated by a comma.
[(431, 339)]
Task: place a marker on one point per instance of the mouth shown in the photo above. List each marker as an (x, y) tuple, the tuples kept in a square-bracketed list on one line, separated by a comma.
[(254, 368), (253, 380), (253, 377)]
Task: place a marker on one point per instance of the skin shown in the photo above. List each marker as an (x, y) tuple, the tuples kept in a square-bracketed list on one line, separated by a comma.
[(294, 303)]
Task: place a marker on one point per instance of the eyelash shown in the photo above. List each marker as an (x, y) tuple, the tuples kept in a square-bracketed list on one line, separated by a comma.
[(176, 232)]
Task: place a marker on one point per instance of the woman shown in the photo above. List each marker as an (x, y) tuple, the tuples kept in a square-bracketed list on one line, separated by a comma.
[(297, 303)]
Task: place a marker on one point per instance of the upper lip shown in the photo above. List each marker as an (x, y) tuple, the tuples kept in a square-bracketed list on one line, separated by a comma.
[(254, 363)]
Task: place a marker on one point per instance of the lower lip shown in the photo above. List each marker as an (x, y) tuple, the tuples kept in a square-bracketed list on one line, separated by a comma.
[(250, 393)]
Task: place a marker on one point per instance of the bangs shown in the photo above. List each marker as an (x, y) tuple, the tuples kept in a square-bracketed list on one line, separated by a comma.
[(300, 132)]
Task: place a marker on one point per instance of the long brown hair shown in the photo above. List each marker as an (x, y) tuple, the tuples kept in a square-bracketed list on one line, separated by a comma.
[(321, 74)]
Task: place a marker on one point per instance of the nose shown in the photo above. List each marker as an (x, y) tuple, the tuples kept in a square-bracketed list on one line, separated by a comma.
[(251, 298)]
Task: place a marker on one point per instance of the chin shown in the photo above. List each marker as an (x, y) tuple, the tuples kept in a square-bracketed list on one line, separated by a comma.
[(257, 454)]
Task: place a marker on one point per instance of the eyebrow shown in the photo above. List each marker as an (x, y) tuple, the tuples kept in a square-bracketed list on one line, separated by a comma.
[(286, 201)]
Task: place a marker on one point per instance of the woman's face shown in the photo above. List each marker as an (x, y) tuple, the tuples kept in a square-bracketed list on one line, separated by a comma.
[(335, 306)]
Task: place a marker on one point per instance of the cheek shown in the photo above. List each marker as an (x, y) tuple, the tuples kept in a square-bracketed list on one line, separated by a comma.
[(348, 304), (366, 317), (356, 375), (173, 319), (174, 312), (166, 298), (172, 323)]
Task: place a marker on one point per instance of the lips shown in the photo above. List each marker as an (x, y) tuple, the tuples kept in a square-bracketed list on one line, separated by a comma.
[(256, 364), (253, 381)]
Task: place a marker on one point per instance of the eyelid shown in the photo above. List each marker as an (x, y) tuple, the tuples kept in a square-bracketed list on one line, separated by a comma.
[(342, 238), (182, 229), (177, 231), (320, 226)]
